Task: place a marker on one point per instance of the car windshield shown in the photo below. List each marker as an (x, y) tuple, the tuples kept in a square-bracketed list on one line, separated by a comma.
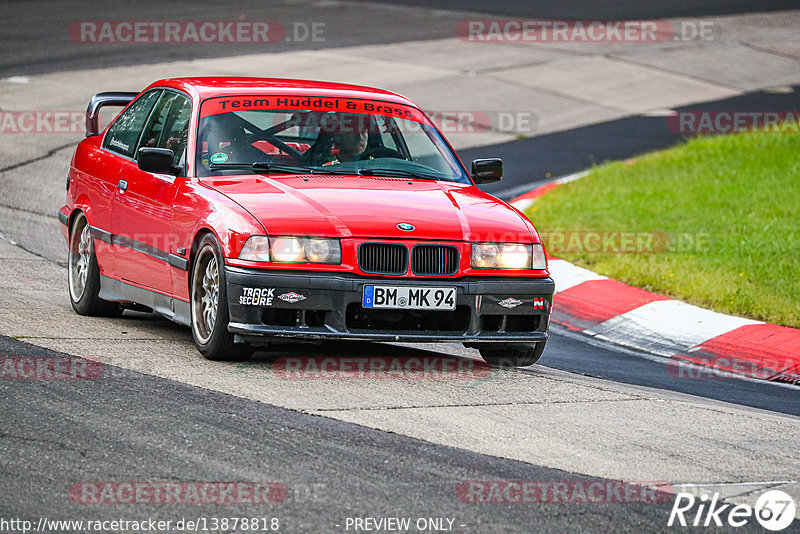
[(289, 135)]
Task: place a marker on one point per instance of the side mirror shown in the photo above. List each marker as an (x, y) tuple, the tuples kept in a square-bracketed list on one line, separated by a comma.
[(487, 171), (157, 160)]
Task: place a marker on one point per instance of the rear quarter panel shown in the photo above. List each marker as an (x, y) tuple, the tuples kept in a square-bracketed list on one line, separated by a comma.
[(94, 173)]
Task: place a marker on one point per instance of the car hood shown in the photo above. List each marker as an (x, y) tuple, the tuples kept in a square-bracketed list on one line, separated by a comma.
[(372, 207)]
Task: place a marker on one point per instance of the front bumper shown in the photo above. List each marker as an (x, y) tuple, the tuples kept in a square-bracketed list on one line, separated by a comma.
[(329, 306)]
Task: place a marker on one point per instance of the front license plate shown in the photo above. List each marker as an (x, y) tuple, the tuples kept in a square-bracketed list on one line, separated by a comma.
[(410, 298)]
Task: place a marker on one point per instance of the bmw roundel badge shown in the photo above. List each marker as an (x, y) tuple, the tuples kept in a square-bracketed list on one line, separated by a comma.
[(406, 227)]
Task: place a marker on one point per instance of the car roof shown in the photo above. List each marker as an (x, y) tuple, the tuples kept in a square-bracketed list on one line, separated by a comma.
[(206, 87)]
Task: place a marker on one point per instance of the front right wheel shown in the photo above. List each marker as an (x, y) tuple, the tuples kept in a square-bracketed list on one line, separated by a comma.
[(512, 355), (209, 306)]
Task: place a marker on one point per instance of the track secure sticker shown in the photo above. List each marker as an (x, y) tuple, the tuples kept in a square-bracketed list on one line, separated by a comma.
[(219, 157), (257, 296)]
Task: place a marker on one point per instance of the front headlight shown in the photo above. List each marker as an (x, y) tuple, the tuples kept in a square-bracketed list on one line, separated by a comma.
[(288, 249), (305, 250), (503, 256)]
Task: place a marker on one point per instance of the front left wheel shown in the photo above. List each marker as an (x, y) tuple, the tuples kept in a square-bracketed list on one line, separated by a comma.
[(209, 306), (512, 355)]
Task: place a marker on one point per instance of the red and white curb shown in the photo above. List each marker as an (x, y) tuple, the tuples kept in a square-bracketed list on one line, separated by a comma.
[(691, 337)]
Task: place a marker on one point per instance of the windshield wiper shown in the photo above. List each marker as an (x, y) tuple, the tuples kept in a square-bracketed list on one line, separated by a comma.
[(263, 167), (396, 172), (278, 168)]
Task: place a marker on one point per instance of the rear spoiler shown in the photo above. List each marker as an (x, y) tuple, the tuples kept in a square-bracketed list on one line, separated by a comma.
[(112, 98)]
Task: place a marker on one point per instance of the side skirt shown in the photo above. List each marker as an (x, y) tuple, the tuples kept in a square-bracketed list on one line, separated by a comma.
[(170, 307)]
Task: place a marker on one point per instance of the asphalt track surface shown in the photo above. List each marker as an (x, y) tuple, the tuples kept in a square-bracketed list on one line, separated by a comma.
[(33, 44), (35, 39), (572, 352), (131, 426), (618, 10), (331, 470)]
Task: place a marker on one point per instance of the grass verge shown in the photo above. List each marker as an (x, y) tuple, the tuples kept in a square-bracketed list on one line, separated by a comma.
[(721, 215)]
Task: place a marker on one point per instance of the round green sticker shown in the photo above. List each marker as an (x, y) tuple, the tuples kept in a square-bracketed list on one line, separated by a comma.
[(219, 157)]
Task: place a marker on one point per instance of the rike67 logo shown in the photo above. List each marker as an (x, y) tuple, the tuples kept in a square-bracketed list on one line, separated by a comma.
[(774, 510)]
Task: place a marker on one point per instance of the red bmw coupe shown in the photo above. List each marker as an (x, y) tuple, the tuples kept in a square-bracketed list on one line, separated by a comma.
[(257, 209)]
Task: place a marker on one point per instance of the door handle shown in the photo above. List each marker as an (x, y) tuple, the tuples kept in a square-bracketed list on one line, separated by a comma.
[(123, 185)]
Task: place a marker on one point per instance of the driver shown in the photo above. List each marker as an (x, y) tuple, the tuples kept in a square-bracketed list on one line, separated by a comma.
[(352, 144), (351, 137)]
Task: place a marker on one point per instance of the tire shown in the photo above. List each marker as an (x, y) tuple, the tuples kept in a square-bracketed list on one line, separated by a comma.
[(514, 355), (83, 276), (208, 300)]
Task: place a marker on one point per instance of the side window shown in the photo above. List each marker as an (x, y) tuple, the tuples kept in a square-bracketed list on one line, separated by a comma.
[(124, 132), (388, 131), (168, 126)]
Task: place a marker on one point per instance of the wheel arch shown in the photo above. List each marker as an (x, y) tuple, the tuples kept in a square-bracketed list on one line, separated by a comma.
[(81, 206), (196, 239)]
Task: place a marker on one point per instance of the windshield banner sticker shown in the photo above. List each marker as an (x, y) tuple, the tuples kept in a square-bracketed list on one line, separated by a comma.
[(226, 104)]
